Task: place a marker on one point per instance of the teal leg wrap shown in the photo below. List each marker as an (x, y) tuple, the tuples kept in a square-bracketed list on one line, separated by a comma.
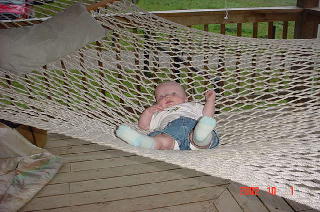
[(135, 138), (202, 133)]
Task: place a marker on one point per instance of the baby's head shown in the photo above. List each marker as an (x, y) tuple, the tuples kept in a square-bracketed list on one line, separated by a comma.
[(169, 94)]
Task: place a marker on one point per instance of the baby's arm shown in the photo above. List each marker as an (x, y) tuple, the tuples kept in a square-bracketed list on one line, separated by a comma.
[(146, 116), (209, 107)]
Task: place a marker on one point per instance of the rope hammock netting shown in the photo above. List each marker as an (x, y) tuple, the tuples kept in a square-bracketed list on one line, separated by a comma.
[(268, 96)]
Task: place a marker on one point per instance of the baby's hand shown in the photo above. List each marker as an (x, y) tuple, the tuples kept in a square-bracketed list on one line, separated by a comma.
[(210, 96), (154, 108)]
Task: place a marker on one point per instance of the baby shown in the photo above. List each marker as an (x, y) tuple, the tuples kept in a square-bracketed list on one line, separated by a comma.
[(175, 123)]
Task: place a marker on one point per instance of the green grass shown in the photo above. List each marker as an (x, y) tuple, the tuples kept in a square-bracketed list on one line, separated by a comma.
[(247, 29)]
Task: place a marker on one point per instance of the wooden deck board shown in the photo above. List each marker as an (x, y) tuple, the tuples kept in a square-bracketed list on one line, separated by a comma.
[(107, 163), (131, 180), (152, 202), (299, 207), (63, 142), (77, 149), (97, 155), (205, 206), (225, 203), (248, 203), (64, 177), (112, 172), (97, 178), (275, 203)]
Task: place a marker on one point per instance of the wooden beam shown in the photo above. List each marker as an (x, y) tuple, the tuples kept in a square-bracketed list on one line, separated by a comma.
[(236, 15), (99, 4)]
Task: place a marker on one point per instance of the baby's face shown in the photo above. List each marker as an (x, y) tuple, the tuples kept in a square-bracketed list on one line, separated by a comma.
[(170, 95)]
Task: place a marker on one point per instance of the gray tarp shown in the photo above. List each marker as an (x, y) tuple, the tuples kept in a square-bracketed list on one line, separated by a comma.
[(27, 48)]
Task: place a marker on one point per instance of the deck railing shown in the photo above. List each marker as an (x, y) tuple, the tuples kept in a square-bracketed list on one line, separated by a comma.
[(238, 16), (306, 17)]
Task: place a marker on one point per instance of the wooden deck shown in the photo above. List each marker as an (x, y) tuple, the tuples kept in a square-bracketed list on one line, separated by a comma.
[(98, 178)]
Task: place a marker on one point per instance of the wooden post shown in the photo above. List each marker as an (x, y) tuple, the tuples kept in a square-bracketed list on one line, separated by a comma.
[(255, 30), (271, 30), (36, 136), (285, 30), (306, 26), (307, 3), (239, 29)]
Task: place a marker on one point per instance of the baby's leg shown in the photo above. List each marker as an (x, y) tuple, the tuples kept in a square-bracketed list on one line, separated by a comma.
[(202, 134), (164, 142), (137, 139)]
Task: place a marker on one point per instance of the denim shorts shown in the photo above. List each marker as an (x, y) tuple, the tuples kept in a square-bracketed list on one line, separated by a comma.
[(179, 129)]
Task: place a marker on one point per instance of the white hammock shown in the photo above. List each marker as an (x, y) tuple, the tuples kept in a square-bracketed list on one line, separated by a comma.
[(268, 97)]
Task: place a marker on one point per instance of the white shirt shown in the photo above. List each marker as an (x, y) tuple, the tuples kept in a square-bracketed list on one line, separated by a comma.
[(162, 118)]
